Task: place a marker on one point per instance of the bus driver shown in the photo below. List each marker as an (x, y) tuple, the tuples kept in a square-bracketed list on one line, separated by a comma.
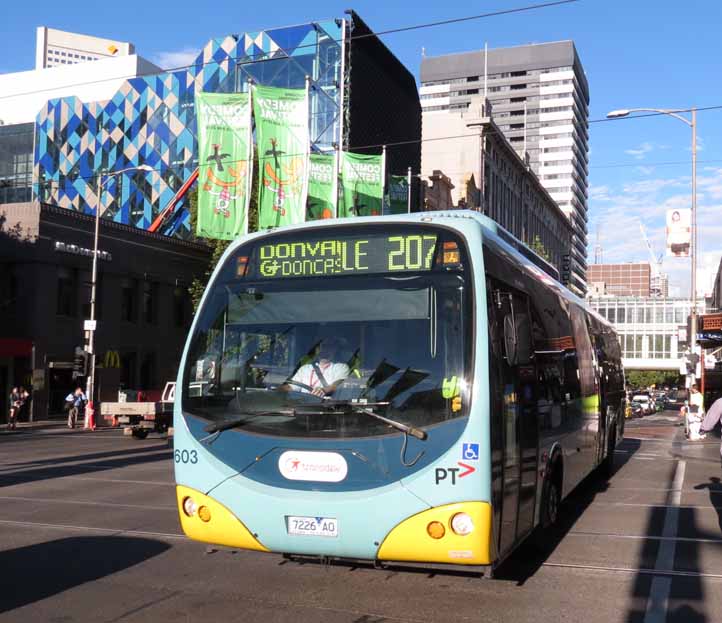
[(323, 375)]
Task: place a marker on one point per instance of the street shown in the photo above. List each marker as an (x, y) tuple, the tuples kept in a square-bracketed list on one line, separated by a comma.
[(89, 532)]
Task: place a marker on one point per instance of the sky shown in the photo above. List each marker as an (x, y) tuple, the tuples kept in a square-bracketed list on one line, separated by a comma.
[(636, 54)]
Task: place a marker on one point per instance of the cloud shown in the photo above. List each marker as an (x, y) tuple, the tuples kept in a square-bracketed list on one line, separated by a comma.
[(647, 187), (172, 59), (599, 193), (645, 170), (640, 152)]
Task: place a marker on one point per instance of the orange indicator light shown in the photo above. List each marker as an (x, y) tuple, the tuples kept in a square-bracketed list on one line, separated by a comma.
[(436, 530)]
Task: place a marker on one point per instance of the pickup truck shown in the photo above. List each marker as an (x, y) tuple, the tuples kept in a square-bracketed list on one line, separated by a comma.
[(140, 418)]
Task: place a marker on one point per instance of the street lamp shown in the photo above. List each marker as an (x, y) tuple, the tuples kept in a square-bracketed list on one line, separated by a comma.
[(692, 123), (90, 384)]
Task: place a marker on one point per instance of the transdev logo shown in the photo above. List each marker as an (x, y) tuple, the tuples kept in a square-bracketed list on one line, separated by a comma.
[(312, 466)]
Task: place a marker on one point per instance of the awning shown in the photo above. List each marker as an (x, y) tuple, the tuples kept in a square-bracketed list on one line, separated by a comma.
[(15, 347)]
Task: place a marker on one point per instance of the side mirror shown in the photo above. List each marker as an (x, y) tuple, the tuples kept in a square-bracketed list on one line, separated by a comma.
[(510, 340), (517, 339)]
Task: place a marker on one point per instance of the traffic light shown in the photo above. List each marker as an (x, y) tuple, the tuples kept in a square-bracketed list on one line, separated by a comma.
[(80, 363)]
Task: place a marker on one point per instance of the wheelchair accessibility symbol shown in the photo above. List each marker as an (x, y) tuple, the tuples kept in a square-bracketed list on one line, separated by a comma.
[(470, 451)]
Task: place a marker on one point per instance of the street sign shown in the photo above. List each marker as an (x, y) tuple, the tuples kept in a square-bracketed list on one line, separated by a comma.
[(90, 325)]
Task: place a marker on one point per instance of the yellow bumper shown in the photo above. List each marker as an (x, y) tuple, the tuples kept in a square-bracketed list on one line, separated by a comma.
[(214, 523), (411, 540)]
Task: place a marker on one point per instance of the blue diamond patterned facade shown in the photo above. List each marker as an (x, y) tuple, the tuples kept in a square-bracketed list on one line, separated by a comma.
[(151, 119)]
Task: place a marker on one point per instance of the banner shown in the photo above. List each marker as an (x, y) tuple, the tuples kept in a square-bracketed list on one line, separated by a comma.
[(225, 160), (282, 139), (362, 178), (679, 232), (398, 194), (322, 187)]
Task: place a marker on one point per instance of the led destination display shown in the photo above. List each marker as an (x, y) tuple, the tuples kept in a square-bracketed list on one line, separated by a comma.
[(345, 255)]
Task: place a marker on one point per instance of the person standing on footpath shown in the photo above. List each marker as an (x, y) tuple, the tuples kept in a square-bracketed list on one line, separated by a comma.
[(15, 403), (710, 421), (76, 402)]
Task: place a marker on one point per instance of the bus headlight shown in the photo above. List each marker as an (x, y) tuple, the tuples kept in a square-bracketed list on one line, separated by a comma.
[(190, 508), (462, 524)]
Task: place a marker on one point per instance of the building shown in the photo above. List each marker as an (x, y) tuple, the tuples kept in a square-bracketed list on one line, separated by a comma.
[(25, 93), (57, 47), (716, 300), (652, 331), (539, 98), (143, 307), (629, 279), (361, 95)]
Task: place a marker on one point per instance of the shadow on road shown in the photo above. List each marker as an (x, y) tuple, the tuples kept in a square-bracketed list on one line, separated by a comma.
[(59, 469), (686, 601), (36, 572), (537, 549)]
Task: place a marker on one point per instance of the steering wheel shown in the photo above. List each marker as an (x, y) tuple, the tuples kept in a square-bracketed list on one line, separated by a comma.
[(299, 384)]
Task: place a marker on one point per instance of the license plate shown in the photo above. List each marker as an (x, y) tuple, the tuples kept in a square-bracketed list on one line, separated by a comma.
[(312, 526)]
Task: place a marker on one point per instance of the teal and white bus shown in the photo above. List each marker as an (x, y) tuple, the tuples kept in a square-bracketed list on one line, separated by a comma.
[(469, 392)]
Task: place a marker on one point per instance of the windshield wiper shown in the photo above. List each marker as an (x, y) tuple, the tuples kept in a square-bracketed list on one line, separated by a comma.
[(217, 428), (332, 405)]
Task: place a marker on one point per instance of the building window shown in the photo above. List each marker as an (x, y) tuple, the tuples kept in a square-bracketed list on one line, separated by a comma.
[(150, 302), (128, 300), (180, 307), (66, 292), (148, 372), (127, 370)]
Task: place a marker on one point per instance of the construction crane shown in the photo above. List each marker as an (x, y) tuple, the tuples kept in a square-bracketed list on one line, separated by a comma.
[(656, 261)]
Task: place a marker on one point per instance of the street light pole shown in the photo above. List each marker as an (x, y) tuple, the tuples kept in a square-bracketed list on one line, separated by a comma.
[(693, 242), (90, 382)]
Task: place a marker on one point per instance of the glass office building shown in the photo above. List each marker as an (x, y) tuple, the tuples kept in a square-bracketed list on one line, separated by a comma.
[(16, 162), (360, 95), (649, 329)]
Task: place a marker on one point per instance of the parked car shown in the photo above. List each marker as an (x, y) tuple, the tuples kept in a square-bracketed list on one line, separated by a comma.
[(645, 402), (675, 399)]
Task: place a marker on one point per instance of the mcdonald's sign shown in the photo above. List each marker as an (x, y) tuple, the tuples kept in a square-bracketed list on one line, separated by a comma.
[(111, 359)]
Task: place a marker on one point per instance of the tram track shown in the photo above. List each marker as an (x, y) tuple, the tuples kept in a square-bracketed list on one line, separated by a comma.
[(634, 570)]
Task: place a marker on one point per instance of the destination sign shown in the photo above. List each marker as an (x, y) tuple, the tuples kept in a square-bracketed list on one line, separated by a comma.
[(347, 255)]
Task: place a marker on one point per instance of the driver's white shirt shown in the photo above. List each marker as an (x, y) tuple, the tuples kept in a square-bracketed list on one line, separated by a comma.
[(332, 373)]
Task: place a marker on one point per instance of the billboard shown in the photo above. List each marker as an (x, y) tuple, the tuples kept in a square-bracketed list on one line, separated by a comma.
[(679, 232)]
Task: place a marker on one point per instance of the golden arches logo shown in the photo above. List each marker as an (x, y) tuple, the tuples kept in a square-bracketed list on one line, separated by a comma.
[(111, 359)]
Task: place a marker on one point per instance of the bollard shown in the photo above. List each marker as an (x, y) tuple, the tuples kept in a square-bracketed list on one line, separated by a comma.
[(90, 416)]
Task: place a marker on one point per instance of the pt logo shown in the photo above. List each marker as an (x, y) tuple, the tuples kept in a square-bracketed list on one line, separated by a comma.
[(442, 473)]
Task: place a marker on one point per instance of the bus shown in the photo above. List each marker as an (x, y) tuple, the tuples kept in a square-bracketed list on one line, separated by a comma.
[(468, 393)]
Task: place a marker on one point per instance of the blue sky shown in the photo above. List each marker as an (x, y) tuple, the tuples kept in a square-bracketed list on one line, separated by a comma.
[(641, 53)]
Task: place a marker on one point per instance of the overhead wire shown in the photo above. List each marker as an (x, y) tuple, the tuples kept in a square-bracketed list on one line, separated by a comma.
[(266, 58)]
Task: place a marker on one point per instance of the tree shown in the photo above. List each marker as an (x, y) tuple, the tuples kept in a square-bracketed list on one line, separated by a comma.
[(218, 247), (538, 247), (646, 378)]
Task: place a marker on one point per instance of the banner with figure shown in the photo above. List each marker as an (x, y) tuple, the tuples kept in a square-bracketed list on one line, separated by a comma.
[(679, 232), (362, 178), (283, 142), (398, 194), (225, 160), (322, 187)]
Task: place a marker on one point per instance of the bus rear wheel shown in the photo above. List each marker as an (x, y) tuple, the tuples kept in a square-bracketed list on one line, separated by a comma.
[(551, 500)]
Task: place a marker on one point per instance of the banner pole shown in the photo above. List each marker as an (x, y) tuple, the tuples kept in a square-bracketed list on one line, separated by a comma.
[(307, 171), (249, 173), (383, 179), (408, 189)]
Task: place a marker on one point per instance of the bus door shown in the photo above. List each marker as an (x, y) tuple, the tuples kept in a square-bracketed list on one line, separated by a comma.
[(514, 393)]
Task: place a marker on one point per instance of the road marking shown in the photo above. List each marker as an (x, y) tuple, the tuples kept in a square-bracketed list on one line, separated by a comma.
[(641, 537), (701, 507), (110, 504), (667, 573), (114, 531), (658, 601), (132, 482)]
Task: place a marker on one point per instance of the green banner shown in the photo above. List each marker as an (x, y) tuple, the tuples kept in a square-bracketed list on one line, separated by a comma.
[(362, 177), (282, 139), (398, 194), (224, 157), (322, 187)]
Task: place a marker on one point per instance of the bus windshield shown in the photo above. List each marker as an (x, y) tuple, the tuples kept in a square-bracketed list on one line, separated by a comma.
[(284, 356)]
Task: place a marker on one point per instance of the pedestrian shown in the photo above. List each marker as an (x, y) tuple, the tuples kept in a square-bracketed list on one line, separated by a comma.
[(713, 416), (14, 408), (693, 414), (75, 404)]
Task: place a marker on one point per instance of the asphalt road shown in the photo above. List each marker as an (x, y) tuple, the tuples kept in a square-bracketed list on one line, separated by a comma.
[(88, 532)]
